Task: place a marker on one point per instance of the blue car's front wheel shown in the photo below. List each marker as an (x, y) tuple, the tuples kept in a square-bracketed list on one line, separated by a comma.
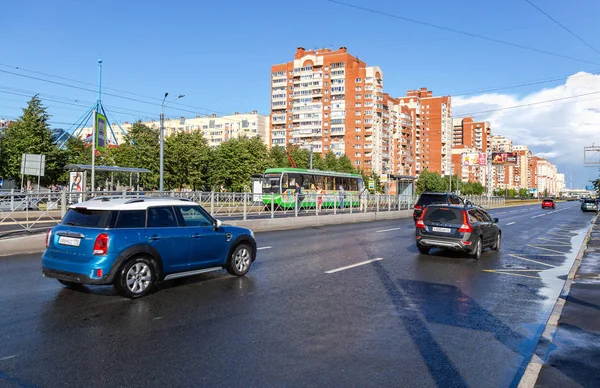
[(240, 260)]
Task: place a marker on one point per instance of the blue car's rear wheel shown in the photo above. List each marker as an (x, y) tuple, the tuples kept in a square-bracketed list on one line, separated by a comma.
[(136, 277)]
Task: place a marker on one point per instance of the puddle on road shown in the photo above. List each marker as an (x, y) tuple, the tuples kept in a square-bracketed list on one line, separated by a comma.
[(553, 279)]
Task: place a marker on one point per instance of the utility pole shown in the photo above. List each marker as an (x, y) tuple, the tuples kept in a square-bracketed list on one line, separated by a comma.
[(161, 185)]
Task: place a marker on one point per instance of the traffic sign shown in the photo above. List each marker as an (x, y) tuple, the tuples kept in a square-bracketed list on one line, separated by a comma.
[(589, 188), (371, 184), (33, 164)]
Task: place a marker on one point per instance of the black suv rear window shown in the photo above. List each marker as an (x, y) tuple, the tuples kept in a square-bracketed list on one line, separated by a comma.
[(590, 201), (429, 199), (443, 215), (90, 218)]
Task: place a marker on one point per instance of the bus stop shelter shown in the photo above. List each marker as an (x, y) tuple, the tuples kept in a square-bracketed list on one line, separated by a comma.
[(112, 169)]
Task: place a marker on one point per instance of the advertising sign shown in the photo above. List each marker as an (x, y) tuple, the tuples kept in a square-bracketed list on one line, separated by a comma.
[(101, 129), (482, 159), (474, 159), (504, 158), (75, 186)]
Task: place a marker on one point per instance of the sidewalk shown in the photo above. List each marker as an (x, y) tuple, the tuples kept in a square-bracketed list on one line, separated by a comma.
[(573, 358)]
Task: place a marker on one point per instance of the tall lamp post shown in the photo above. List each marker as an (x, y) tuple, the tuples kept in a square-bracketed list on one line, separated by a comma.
[(162, 139)]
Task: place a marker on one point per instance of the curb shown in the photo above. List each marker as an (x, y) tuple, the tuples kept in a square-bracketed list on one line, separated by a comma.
[(536, 363)]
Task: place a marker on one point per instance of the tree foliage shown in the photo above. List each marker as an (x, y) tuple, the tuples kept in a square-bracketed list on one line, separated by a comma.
[(31, 134), (187, 156), (235, 160), (141, 150)]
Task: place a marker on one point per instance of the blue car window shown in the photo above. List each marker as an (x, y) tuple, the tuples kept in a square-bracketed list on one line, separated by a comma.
[(192, 216), (131, 219), (161, 217)]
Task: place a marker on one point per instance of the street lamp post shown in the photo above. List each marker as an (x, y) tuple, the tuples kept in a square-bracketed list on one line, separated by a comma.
[(162, 139)]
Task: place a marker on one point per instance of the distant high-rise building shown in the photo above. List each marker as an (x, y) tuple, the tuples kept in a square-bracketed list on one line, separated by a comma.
[(433, 130), (331, 101)]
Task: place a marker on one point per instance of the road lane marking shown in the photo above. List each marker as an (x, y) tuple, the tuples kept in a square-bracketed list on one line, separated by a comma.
[(555, 235), (261, 248), (533, 261), (8, 358), (387, 230), (539, 215), (555, 241), (509, 273), (353, 265), (518, 270), (511, 223), (546, 249)]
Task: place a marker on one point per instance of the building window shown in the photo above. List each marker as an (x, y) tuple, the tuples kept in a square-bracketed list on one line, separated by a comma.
[(358, 89), (357, 121), (358, 80), (357, 162), (359, 96), (358, 113)]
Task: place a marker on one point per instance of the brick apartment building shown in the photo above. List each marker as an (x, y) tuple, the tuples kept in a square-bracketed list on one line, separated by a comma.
[(433, 130), (470, 137), (331, 101)]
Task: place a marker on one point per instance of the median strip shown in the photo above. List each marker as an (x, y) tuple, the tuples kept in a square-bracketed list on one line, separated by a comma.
[(353, 265)]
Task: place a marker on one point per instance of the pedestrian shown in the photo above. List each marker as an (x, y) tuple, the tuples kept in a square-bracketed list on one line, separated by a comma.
[(342, 196), (298, 194), (320, 193)]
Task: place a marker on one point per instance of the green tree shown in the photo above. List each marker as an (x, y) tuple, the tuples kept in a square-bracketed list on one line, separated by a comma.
[(431, 181), (344, 164), (235, 160), (278, 157), (141, 150), (331, 161), (31, 134), (186, 161)]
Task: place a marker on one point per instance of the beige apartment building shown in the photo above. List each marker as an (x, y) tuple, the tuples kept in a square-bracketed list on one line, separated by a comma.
[(216, 129)]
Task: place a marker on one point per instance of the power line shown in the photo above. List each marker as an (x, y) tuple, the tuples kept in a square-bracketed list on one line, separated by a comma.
[(439, 27), (562, 26), (108, 88)]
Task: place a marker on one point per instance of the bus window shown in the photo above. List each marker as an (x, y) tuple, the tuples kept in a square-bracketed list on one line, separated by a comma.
[(270, 183), (307, 182), (292, 179), (284, 181), (360, 184), (319, 180), (328, 183), (352, 184)]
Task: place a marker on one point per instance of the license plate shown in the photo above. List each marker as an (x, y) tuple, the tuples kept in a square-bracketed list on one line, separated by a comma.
[(442, 230), (72, 241)]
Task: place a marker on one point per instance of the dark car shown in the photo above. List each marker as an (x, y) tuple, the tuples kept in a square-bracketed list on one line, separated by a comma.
[(467, 229), (548, 202), (589, 205), (427, 199)]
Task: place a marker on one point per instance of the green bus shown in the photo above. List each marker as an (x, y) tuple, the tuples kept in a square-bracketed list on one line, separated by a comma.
[(279, 185)]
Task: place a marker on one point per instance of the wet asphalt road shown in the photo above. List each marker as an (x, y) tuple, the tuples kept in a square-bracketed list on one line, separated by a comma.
[(404, 320)]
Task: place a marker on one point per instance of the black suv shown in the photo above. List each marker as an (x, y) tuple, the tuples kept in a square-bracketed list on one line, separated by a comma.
[(427, 199), (466, 229)]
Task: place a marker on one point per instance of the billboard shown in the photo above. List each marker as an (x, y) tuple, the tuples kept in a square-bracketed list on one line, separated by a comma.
[(505, 158), (474, 159), (101, 131)]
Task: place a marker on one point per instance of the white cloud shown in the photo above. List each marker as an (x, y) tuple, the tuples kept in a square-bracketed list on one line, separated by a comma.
[(556, 130)]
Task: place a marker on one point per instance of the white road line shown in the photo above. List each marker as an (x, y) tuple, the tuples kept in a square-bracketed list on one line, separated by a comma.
[(7, 358), (511, 223), (353, 265), (539, 215), (261, 248), (533, 261), (387, 230)]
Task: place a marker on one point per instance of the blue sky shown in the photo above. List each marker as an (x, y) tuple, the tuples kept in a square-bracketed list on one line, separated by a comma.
[(219, 53)]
